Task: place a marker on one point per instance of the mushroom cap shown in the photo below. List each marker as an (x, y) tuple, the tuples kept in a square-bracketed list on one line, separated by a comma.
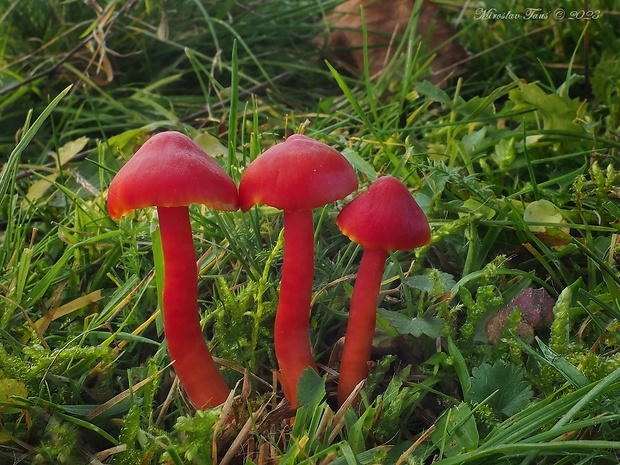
[(298, 174), (385, 217), (170, 170)]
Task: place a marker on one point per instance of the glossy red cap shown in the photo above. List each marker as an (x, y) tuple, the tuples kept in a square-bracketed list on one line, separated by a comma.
[(385, 217), (298, 174), (170, 170)]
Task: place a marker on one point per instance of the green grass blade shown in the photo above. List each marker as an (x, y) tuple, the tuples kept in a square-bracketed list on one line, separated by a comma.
[(8, 174)]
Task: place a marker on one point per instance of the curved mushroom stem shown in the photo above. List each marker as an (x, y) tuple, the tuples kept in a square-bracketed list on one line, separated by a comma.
[(362, 322), (193, 363), (292, 341)]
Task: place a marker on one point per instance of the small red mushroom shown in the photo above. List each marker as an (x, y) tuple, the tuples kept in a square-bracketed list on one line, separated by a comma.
[(296, 176), (170, 172), (382, 219)]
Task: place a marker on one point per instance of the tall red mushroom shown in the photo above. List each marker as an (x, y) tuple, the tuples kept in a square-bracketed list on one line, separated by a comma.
[(170, 172), (382, 219), (296, 176)]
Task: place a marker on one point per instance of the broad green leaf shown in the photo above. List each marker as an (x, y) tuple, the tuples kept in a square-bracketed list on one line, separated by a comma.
[(211, 145), (8, 389), (38, 189), (557, 113), (310, 388), (456, 431), (71, 149), (359, 163), (474, 206), (472, 142), (606, 75), (414, 326), (504, 153), (433, 92), (433, 282), (500, 386), (126, 141), (542, 211)]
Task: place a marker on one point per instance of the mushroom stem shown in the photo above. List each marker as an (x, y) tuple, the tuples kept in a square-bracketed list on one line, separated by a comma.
[(362, 322), (187, 348), (292, 342)]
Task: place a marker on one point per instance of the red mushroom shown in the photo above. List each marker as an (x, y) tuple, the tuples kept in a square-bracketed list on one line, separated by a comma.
[(296, 176), (170, 171), (382, 219)]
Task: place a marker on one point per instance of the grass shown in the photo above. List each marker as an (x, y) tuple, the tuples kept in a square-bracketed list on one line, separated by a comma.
[(84, 373)]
